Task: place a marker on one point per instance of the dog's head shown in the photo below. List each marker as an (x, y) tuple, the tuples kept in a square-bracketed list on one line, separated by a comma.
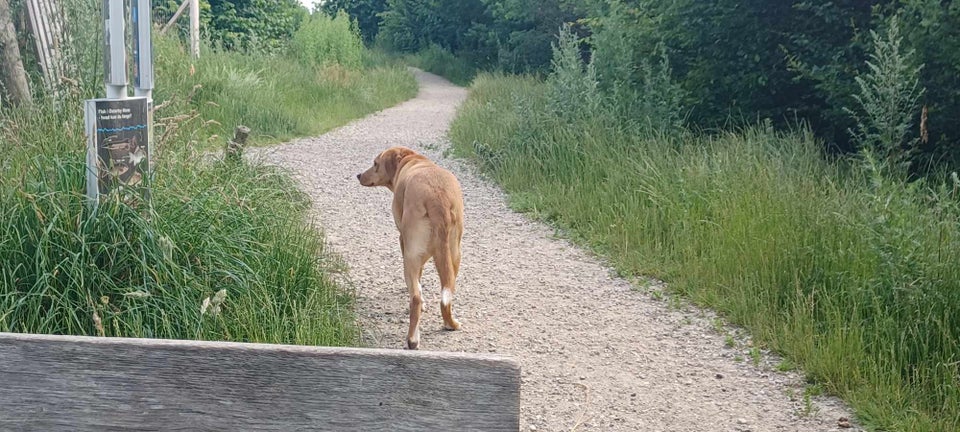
[(385, 167)]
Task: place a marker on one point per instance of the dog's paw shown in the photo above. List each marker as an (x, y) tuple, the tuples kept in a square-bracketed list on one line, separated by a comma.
[(454, 326)]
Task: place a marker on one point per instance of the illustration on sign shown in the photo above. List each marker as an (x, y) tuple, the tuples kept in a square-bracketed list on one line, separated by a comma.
[(119, 141)]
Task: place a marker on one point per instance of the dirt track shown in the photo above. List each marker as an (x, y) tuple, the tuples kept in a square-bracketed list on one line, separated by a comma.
[(596, 353)]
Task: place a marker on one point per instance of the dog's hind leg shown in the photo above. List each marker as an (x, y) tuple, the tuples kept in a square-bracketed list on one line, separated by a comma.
[(447, 260), (423, 307), (412, 266), (415, 255)]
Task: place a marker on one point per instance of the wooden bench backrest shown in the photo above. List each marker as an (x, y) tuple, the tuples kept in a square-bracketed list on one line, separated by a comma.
[(70, 383)]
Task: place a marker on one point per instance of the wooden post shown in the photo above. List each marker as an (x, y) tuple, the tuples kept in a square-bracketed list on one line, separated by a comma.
[(234, 150), (195, 28), (14, 76)]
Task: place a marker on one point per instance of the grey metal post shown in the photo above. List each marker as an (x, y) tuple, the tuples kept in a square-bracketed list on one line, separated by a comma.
[(114, 55), (93, 167), (140, 14)]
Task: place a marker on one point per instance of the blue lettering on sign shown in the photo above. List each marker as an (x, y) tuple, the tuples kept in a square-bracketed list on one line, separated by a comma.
[(120, 129)]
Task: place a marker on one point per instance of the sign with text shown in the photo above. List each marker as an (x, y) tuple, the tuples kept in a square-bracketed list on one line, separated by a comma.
[(117, 147)]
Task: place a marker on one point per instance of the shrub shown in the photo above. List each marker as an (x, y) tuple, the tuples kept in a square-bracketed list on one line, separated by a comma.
[(324, 40), (888, 100), (573, 90)]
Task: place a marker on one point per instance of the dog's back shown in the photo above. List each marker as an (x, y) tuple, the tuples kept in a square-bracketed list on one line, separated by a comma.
[(424, 185)]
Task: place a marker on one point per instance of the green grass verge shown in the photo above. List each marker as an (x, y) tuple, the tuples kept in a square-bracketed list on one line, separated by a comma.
[(853, 276), (145, 271), (276, 97)]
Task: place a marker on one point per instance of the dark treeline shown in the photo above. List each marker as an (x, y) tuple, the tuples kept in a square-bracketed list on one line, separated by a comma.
[(735, 61), (245, 25)]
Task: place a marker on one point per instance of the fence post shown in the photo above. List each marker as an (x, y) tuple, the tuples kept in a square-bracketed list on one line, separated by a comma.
[(195, 28), (234, 150)]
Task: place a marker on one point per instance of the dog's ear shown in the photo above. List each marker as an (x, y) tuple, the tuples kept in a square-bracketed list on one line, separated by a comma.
[(391, 164), (401, 153)]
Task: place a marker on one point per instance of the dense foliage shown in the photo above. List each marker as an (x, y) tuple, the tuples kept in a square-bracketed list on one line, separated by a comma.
[(366, 12), (795, 61), (265, 25), (840, 264), (734, 61)]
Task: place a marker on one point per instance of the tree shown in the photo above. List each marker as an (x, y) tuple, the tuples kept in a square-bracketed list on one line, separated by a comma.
[(254, 24), (513, 35), (14, 76), (523, 30), (243, 25), (366, 12), (413, 25)]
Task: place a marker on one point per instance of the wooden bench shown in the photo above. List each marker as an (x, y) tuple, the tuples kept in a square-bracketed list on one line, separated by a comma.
[(70, 383)]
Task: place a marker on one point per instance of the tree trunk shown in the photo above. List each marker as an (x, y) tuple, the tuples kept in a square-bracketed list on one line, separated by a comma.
[(14, 77)]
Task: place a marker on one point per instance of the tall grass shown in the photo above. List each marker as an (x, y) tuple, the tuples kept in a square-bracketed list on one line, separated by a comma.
[(223, 251), (325, 40), (145, 272), (276, 96), (851, 274)]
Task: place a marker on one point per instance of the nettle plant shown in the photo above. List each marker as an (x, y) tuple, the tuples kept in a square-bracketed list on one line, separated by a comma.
[(888, 98)]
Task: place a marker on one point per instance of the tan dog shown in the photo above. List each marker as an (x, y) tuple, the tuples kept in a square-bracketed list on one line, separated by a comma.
[(428, 211)]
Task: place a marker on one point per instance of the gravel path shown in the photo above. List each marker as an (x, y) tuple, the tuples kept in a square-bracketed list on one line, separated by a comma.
[(596, 354)]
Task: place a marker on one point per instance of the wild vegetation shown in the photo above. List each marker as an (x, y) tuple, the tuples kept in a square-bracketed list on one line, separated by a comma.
[(841, 265), (222, 250), (789, 164), (736, 62), (242, 25)]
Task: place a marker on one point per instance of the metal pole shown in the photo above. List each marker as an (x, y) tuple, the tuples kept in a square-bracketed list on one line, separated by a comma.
[(115, 55), (140, 15)]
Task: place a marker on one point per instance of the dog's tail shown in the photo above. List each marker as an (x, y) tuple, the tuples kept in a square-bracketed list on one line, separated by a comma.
[(445, 257), (447, 260)]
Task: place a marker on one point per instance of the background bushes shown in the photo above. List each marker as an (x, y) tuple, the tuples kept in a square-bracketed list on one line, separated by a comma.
[(734, 62), (845, 265)]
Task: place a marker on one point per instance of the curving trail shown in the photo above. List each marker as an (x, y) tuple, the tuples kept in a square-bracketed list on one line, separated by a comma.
[(596, 354)]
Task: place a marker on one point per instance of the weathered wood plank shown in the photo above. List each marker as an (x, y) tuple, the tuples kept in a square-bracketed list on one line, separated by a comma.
[(176, 15), (60, 383)]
